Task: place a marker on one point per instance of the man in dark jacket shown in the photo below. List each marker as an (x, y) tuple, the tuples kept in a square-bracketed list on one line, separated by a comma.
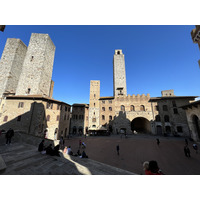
[(9, 135)]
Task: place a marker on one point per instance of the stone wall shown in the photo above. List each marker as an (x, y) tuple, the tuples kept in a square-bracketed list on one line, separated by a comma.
[(119, 73), (38, 65), (11, 65)]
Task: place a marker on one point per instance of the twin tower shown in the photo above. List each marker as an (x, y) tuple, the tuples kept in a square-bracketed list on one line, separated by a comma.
[(27, 70)]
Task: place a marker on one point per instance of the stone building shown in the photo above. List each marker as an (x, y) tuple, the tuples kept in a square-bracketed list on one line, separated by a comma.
[(79, 119), (26, 89), (193, 109), (122, 113), (33, 114), (195, 33)]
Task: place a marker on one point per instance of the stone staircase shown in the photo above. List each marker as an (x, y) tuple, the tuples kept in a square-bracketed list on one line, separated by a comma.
[(24, 159)]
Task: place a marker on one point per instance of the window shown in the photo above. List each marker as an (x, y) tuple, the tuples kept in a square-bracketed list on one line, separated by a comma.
[(65, 108), (48, 117), (165, 108), (51, 106), (65, 117), (58, 117), (94, 104), (5, 119), (80, 116), (32, 58), (29, 90), (157, 118), (76, 117), (48, 105), (19, 118), (174, 103), (142, 108), (68, 117), (122, 108), (110, 101), (93, 119), (103, 101), (68, 109), (166, 118), (110, 117), (103, 109), (179, 129), (103, 117), (94, 95), (58, 107), (132, 108), (87, 118), (156, 108), (21, 105), (110, 108), (175, 111)]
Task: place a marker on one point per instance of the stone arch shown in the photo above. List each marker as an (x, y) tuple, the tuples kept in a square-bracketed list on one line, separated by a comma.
[(80, 130), (74, 130), (141, 125)]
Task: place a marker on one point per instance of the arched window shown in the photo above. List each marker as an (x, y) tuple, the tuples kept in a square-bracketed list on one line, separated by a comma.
[(166, 118), (103, 117), (175, 111), (122, 108), (103, 109), (174, 103), (48, 117), (110, 117), (5, 119), (142, 108), (157, 118), (165, 108), (132, 108)]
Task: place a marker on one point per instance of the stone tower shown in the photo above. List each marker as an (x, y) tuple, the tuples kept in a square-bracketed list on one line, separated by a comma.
[(119, 74), (94, 110), (37, 69), (11, 65)]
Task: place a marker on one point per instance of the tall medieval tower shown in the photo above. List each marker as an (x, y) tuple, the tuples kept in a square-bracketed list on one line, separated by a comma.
[(119, 74), (11, 65), (94, 110), (37, 68)]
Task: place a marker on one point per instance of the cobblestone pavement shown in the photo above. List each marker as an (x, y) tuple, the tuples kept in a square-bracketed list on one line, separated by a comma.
[(136, 149)]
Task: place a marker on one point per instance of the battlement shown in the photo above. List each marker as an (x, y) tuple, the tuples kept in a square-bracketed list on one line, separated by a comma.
[(133, 97)]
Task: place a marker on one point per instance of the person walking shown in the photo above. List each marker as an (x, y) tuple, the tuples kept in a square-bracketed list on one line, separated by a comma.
[(9, 135), (195, 147), (158, 141), (117, 147)]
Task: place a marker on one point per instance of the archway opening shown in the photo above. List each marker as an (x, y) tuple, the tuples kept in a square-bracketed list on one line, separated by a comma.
[(141, 125), (196, 124)]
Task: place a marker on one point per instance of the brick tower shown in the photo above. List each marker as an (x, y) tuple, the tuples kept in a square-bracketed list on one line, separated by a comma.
[(11, 65), (37, 69), (119, 74)]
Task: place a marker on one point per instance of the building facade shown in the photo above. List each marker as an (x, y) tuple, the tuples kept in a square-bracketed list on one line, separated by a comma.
[(122, 113), (26, 89), (79, 119)]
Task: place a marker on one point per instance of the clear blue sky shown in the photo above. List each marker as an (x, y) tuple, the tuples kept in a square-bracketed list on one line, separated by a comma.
[(156, 58)]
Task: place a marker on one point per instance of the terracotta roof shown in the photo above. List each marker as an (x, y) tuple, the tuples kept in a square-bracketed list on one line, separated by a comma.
[(36, 97), (195, 104), (80, 105), (171, 97), (104, 98)]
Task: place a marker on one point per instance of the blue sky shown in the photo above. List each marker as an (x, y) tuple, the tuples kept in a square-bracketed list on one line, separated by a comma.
[(156, 58)]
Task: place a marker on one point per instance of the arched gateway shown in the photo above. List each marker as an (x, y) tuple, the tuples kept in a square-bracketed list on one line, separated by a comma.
[(141, 125)]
